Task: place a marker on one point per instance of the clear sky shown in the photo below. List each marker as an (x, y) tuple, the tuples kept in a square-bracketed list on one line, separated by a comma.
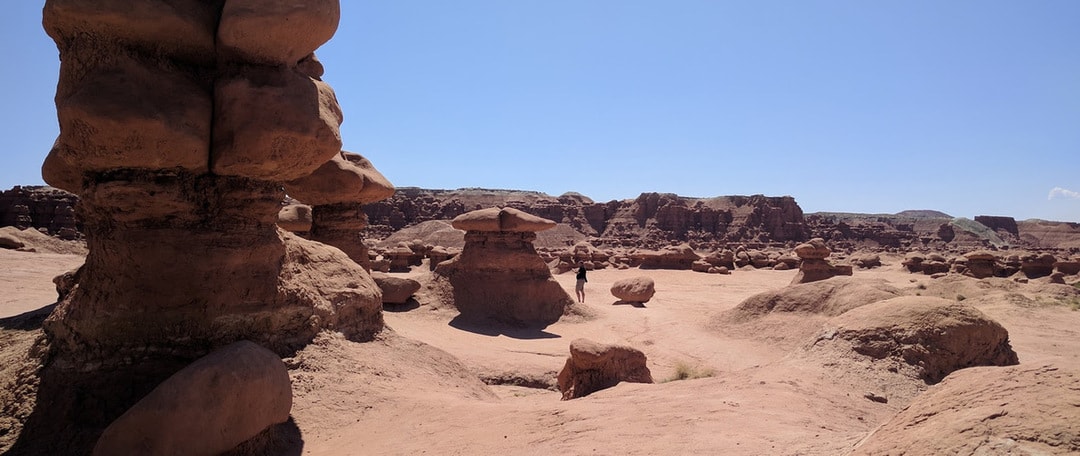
[(971, 107)]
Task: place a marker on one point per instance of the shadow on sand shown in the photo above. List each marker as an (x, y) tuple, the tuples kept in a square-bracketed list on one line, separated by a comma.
[(639, 305), (411, 304), (493, 329)]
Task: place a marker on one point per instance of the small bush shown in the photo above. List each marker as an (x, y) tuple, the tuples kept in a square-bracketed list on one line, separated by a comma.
[(684, 371)]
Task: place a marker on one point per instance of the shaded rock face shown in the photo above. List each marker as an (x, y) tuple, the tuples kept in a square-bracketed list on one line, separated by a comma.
[(209, 407), (178, 129), (987, 410), (592, 367), (652, 220), (931, 336), (498, 275)]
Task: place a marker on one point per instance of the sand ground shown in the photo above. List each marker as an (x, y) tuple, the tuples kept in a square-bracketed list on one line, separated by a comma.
[(420, 387)]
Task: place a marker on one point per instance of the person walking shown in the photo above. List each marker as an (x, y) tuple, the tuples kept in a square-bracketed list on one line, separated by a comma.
[(580, 286)]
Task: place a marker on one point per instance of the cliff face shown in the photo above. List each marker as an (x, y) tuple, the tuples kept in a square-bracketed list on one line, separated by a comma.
[(40, 207), (650, 220)]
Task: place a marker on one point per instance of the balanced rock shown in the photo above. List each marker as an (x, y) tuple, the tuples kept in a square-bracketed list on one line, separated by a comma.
[(593, 366), (499, 275), (209, 407), (980, 264), (635, 289), (814, 265)]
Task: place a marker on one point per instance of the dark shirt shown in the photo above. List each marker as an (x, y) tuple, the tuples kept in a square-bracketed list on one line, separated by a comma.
[(581, 274)]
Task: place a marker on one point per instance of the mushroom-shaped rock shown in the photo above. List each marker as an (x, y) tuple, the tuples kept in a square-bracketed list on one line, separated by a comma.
[(980, 264), (499, 275), (987, 410), (634, 289), (209, 407), (593, 366), (813, 250), (814, 266), (679, 257), (395, 290), (501, 219), (930, 337), (1038, 265)]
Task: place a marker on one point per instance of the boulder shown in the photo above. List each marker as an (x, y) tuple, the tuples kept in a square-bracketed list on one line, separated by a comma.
[(275, 33), (295, 217), (815, 249), (593, 366), (501, 219), (209, 407), (634, 289), (395, 290)]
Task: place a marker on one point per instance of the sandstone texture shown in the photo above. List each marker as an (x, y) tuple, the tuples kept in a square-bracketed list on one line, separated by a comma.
[(925, 337), (634, 289), (593, 366), (209, 407), (180, 124), (987, 410), (830, 297), (498, 275), (395, 290)]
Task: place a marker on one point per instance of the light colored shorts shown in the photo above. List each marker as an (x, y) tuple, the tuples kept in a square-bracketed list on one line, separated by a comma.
[(580, 285)]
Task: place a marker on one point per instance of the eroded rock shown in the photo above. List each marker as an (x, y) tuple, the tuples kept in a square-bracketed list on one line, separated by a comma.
[(592, 367)]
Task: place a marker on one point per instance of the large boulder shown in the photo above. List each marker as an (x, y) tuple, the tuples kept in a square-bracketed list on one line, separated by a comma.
[(634, 289), (830, 297), (209, 407), (395, 290), (594, 366)]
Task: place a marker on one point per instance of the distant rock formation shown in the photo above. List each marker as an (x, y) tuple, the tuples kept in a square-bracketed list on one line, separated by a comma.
[(41, 208), (498, 275), (652, 220), (813, 265)]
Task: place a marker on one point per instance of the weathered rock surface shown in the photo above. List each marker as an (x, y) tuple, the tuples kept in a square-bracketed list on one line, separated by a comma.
[(592, 367), (39, 208), (987, 410), (395, 290), (208, 407), (634, 289), (925, 337), (498, 275), (830, 297), (814, 265)]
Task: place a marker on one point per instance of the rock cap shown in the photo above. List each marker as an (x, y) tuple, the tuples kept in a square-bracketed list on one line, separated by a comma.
[(501, 219)]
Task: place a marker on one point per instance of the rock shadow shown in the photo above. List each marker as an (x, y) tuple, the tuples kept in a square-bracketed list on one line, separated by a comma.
[(27, 321), (410, 304), (493, 328), (639, 305)]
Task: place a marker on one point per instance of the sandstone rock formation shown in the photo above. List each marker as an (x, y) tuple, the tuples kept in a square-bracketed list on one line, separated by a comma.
[(671, 257), (39, 208), (924, 337), (295, 217), (208, 407), (814, 265), (649, 221), (499, 274), (395, 290), (987, 410), (178, 128), (827, 297), (592, 367), (337, 190), (634, 289)]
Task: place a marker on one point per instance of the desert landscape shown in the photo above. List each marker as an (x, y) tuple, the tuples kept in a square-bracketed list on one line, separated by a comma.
[(209, 272)]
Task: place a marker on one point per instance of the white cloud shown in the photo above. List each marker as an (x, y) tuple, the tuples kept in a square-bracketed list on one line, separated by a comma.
[(1061, 192)]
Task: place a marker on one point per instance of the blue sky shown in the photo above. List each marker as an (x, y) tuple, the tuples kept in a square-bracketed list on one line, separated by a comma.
[(968, 107)]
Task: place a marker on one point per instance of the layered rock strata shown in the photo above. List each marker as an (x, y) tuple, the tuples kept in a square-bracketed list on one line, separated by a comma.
[(179, 124)]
